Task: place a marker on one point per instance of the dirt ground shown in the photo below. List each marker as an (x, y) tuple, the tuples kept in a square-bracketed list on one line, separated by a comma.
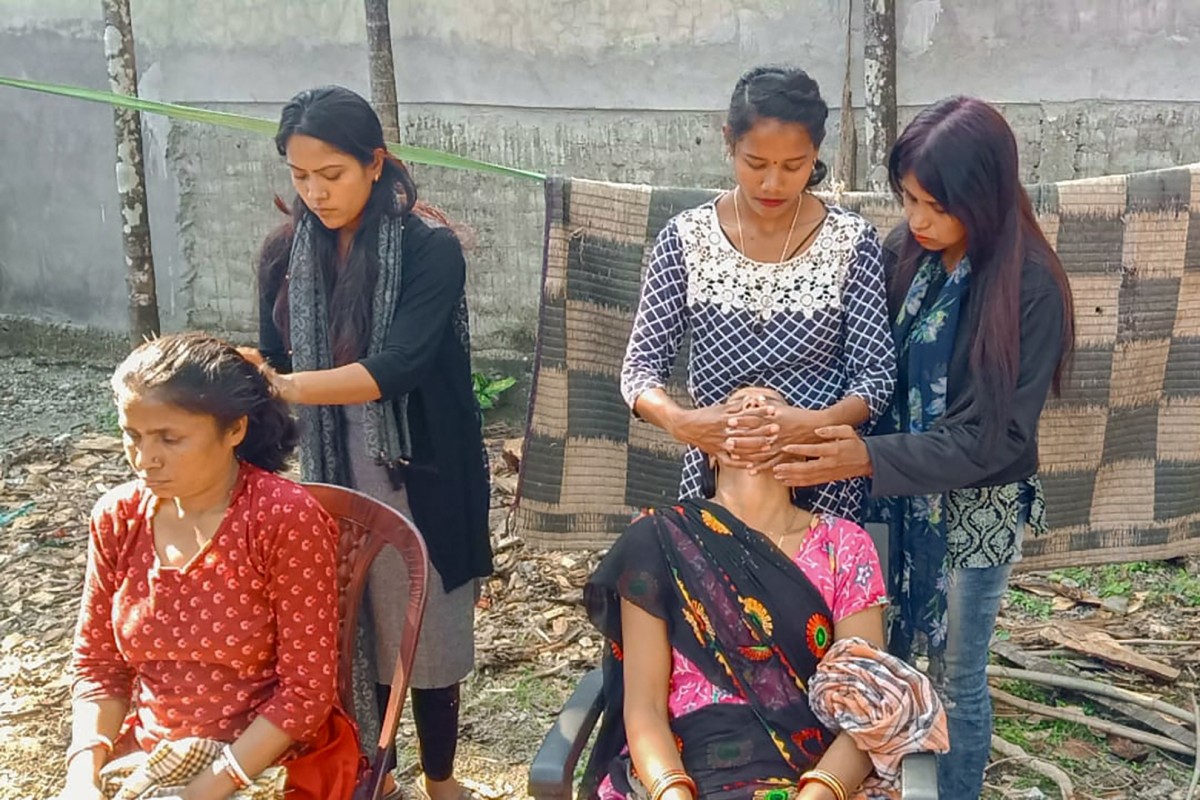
[(58, 455)]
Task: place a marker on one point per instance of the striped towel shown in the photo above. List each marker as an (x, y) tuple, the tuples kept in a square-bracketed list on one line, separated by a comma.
[(888, 707)]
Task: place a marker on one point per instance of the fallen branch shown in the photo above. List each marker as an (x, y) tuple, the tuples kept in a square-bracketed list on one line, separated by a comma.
[(1101, 725), (1091, 687), (1152, 720), (1191, 792), (1012, 752), (1164, 642)]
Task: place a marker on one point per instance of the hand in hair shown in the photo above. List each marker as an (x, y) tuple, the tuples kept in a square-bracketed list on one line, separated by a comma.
[(841, 455), (283, 385), (252, 355)]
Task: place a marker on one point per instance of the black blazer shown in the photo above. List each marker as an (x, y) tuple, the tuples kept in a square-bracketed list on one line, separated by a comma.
[(953, 455), (448, 482)]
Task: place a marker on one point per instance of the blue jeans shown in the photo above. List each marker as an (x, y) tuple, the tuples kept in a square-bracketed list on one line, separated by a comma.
[(973, 602)]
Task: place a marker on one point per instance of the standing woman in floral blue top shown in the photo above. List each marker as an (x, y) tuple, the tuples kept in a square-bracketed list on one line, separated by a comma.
[(777, 288), (984, 328)]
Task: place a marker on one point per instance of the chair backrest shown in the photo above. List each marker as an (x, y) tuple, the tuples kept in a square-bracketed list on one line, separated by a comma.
[(367, 526), (880, 536)]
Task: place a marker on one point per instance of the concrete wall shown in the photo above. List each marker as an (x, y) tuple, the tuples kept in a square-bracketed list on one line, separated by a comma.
[(627, 90)]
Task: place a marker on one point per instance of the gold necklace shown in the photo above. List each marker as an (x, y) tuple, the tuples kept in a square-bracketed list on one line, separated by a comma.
[(787, 531), (737, 215)]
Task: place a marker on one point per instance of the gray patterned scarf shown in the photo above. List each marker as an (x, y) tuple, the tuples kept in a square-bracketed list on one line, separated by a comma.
[(322, 441)]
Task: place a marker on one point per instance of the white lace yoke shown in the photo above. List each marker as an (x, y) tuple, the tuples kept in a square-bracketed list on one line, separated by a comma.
[(718, 273)]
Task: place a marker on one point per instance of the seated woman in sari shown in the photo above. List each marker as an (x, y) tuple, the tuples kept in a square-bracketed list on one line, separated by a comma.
[(205, 659), (746, 639)]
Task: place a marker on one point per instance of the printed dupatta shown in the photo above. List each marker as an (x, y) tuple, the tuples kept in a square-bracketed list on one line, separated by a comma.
[(746, 616)]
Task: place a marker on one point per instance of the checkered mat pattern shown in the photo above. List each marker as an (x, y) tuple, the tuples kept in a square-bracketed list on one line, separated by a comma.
[(1120, 451)]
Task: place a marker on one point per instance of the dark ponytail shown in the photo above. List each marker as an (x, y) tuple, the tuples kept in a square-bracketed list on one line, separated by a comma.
[(205, 375)]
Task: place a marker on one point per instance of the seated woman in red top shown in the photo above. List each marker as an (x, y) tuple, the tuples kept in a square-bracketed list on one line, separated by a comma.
[(208, 631)]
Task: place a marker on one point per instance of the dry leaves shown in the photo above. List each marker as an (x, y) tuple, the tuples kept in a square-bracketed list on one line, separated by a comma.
[(533, 611), (53, 483)]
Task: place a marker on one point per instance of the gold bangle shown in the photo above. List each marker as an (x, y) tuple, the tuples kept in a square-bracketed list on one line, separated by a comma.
[(827, 779), (669, 779)]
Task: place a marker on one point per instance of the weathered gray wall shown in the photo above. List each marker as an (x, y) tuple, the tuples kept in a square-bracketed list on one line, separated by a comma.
[(625, 90)]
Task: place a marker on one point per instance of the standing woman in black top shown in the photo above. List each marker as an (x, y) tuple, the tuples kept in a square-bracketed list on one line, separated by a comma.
[(984, 327), (363, 315)]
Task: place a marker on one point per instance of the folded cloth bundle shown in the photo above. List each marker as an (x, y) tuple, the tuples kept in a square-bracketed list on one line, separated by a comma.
[(888, 706)]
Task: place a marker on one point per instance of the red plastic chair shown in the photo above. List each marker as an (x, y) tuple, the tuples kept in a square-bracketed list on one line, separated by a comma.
[(367, 526)]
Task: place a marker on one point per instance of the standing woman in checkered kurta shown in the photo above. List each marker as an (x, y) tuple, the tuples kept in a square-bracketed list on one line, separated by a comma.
[(984, 328), (777, 288)]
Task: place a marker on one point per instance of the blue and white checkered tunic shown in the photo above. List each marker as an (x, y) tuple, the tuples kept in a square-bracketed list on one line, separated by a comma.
[(814, 328)]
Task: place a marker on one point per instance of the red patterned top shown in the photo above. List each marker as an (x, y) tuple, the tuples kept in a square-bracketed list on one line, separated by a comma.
[(247, 627)]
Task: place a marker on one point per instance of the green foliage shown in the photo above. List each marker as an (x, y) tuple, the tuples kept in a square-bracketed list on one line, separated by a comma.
[(1031, 604), (1164, 582), (107, 422), (488, 390), (1185, 588)]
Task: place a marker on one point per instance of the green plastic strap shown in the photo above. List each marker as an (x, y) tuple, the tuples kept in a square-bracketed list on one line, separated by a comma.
[(264, 127)]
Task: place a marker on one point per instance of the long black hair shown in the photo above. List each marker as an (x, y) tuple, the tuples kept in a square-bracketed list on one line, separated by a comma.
[(786, 94), (963, 153), (345, 121), (205, 375)]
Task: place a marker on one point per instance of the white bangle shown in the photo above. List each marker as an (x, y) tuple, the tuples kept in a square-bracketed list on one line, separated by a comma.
[(234, 769), (99, 740)]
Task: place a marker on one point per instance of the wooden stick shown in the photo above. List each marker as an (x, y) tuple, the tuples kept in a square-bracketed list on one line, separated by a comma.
[(1099, 644), (1091, 687), (1191, 792), (1152, 720), (1101, 725), (1164, 642), (1011, 751)]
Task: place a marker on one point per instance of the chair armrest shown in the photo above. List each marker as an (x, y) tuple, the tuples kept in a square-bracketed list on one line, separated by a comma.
[(552, 772), (918, 777)]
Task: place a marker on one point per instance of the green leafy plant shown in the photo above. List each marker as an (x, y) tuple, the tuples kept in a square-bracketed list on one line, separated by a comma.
[(1034, 606), (488, 390)]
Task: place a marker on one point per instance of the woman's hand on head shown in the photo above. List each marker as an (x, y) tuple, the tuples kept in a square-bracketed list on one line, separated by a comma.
[(704, 428), (286, 385), (253, 355), (841, 454), (752, 432), (283, 384), (758, 434)]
